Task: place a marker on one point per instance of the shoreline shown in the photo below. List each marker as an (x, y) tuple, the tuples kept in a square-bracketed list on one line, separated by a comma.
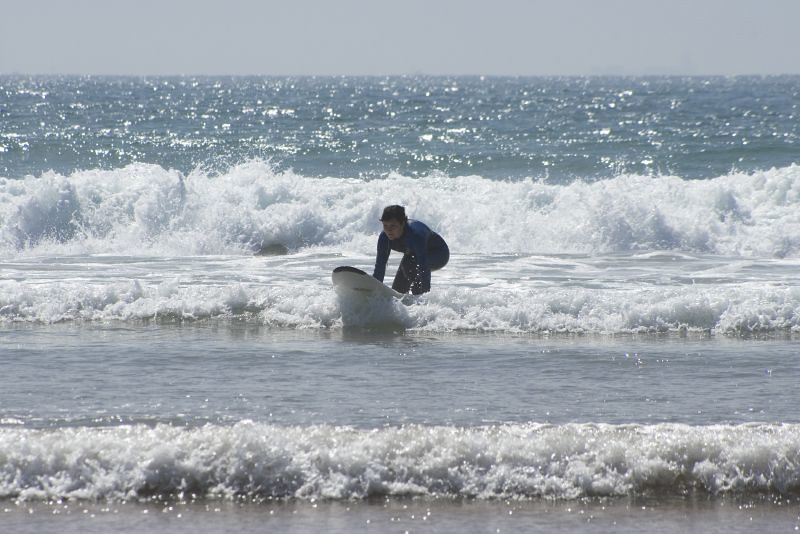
[(625, 514)]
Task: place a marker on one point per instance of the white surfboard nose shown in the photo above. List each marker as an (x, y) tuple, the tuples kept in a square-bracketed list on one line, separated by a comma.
[(351, 280)]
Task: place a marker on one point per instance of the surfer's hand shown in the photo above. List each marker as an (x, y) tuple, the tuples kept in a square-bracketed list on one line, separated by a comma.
[(408, 299), (418, 287)]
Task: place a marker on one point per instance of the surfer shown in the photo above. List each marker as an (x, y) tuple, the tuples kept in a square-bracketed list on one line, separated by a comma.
[(423, 251)]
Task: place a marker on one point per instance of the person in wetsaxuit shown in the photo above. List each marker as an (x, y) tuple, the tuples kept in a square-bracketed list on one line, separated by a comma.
[(423, 251)]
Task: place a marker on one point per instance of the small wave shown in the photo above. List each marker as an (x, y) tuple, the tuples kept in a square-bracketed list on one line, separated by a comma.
[(740, 309), (251, 208), (310, 462)]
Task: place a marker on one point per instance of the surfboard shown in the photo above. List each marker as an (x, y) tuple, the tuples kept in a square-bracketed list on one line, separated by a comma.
[(349, 280)]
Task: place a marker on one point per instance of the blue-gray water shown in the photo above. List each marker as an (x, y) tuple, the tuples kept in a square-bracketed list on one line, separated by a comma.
[(618, 321), (498, 128)]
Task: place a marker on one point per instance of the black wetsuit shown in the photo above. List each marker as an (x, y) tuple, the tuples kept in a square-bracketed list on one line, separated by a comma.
[(423, 251)]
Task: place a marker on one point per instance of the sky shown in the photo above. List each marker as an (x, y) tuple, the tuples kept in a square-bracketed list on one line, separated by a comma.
[(382, 37)]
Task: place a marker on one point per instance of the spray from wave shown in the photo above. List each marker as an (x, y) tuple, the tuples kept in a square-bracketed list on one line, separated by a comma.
[(323, 461), (251, 208)]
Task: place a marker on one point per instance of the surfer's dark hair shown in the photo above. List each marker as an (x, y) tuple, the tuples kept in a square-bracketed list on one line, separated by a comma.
[(394, 213)]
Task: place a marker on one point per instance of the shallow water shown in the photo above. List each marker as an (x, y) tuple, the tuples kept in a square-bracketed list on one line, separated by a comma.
[(626, 515), (230, 371), (225, 409)]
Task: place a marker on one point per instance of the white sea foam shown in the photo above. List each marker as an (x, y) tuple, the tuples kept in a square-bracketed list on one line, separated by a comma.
[(145, 207), (507, 461), (144, 243), (741, 308)]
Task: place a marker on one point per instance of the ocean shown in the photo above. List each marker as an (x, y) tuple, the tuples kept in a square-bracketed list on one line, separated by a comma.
[(614, 345)]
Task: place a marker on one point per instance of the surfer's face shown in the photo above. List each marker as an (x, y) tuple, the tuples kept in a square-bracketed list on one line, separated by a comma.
[(393, 229)]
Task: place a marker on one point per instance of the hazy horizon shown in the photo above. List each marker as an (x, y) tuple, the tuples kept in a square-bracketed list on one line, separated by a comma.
[(360, 38), (389, 75)]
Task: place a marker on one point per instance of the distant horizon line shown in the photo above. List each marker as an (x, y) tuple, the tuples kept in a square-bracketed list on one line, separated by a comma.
[(401, 75)]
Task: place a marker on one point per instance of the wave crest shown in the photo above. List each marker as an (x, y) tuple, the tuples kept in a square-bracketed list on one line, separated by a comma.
[(145, 207), (507, 461)]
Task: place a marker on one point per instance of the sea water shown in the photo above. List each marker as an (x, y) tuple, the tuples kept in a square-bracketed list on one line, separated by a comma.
[(612, 346)]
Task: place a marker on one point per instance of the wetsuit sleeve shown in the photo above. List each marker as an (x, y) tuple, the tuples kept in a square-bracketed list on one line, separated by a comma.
[(418, 243), (382, 257)]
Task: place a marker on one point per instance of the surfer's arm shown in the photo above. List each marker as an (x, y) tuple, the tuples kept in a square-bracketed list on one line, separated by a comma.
[(382, 257)]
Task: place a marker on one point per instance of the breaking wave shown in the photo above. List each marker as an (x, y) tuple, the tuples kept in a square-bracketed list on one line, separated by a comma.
[(329, 462), (251, 206), (739, 309)]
